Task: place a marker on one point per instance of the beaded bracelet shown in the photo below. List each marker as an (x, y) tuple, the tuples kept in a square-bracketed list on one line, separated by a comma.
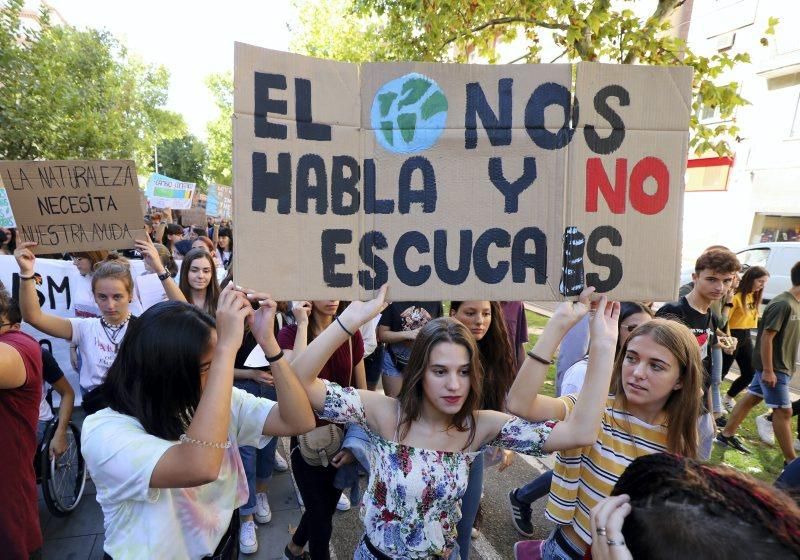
[(186, 439)]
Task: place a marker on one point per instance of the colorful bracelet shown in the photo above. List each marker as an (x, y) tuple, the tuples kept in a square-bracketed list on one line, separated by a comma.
[(186, 439), (343, 327), (539, 359)]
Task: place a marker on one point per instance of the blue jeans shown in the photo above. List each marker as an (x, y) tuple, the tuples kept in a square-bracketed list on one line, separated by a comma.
[(537, 488), (258, 463), (470, 503), (551, 550), (716, 379), (774, 397)]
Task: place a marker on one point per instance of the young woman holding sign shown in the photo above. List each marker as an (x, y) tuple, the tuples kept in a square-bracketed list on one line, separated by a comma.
[(164, 454), (423, 442), (656, 387), (484, 319), (97, 338)]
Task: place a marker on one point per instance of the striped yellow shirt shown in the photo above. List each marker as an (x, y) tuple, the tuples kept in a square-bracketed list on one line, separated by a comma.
[(585, 475)]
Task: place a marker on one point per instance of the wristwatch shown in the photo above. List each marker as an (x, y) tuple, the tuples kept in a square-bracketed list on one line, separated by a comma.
[(164, 275)]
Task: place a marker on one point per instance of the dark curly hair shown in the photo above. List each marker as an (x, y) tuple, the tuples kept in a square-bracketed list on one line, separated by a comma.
[(682, 508)]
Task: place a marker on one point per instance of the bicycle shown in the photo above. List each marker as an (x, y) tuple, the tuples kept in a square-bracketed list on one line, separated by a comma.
[(63, 478)]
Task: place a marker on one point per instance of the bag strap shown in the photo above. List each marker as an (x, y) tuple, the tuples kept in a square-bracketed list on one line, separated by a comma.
[(350, 345)]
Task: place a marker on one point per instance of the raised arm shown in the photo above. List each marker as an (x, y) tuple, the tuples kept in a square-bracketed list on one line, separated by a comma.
[(150, 256), (292, 415), (309, 363), (301, 312), (189, 464), (523, 398), (29, 302), (582, 425)]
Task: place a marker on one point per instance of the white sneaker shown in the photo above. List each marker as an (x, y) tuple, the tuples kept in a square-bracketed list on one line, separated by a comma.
[(797, 445), (765, 431), (344, 502), (263, 513), (280, 463), (728, 402), (248, 543)]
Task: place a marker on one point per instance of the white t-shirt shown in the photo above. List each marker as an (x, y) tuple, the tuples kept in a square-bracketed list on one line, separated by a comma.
[(574, 377), (97, 350), (144, 522)]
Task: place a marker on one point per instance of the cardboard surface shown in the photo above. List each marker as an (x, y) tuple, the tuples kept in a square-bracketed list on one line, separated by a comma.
[(74, 205), (194, 216), (457, 181)]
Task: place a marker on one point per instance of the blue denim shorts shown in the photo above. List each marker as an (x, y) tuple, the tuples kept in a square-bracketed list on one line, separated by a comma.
[(388, 366), (774, 397)]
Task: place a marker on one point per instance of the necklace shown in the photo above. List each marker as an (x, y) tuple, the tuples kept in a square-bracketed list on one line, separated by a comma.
[(114, 332)]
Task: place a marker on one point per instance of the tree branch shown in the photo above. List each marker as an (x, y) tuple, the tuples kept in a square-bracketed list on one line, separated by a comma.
[(505, 21)]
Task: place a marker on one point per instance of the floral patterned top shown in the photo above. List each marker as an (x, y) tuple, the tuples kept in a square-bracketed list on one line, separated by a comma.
[(413, 498)]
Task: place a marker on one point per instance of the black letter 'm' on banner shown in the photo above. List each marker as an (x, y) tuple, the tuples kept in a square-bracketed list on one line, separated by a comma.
[(277, 185), (263, 105), (330, 258)]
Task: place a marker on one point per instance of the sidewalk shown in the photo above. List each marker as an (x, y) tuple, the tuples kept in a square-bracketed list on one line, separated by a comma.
[(79, 536)]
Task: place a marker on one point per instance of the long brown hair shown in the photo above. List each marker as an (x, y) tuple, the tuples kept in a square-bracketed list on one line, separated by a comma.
[(212, 290), (443, 329), (497, 359), (746, 285), (683, 404)]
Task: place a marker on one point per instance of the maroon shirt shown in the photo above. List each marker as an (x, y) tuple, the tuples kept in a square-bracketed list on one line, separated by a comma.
[(339, 367), (20, 534)]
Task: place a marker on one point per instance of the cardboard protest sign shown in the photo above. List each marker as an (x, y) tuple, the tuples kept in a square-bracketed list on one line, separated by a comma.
[(457, 181), (164, 192), (6, 215), (74, 205), (194, 216)]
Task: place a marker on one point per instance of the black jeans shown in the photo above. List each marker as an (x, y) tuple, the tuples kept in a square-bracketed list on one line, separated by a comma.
[(744, 358), (320, 497)]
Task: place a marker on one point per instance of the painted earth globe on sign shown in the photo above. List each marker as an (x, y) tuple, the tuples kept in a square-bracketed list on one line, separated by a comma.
[(409, 113)]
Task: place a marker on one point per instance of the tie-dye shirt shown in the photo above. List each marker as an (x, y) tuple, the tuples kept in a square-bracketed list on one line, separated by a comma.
[(413, 500), (144, 522)]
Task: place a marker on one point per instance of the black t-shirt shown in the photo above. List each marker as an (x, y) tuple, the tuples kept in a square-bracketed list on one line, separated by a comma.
[(408, 316), (51, 371), (242, 354)]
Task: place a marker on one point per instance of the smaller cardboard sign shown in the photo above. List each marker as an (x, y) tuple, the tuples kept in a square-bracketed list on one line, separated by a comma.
[(6, 215), (194, 216), (74, 205), (219, 202), (165, 192)]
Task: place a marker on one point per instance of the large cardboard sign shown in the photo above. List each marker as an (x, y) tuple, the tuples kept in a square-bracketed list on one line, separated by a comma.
[(74, 205), (457, 181), (165, 192)]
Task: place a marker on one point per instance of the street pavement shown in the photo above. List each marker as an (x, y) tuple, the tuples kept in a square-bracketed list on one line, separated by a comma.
[(80, 535)]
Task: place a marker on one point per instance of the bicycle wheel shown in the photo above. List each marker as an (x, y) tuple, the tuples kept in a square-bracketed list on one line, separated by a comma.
[(64, 477)]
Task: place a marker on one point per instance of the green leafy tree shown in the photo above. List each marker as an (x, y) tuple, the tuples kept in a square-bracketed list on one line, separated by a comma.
[(449, 30), (220, 130), (70, 94), (184, 159)]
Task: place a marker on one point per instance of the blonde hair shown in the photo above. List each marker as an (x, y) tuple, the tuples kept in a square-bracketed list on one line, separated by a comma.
[(115, 267)]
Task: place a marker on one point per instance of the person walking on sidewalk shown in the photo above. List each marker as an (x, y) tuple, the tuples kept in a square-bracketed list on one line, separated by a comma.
[(774, 361)]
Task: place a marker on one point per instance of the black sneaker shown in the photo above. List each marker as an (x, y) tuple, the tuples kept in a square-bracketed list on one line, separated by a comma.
[(289, 556), (520, 515), (732, 441)]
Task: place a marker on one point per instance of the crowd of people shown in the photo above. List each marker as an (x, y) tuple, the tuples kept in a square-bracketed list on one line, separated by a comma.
[(187, 394)]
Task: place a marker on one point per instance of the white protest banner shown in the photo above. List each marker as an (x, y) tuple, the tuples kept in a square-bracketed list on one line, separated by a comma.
[(6, 215), (57, 286), (164, 192), (74, 205), (448, 181)]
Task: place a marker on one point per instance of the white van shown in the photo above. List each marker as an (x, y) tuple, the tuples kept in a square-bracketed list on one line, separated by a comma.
[(777, 257)]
